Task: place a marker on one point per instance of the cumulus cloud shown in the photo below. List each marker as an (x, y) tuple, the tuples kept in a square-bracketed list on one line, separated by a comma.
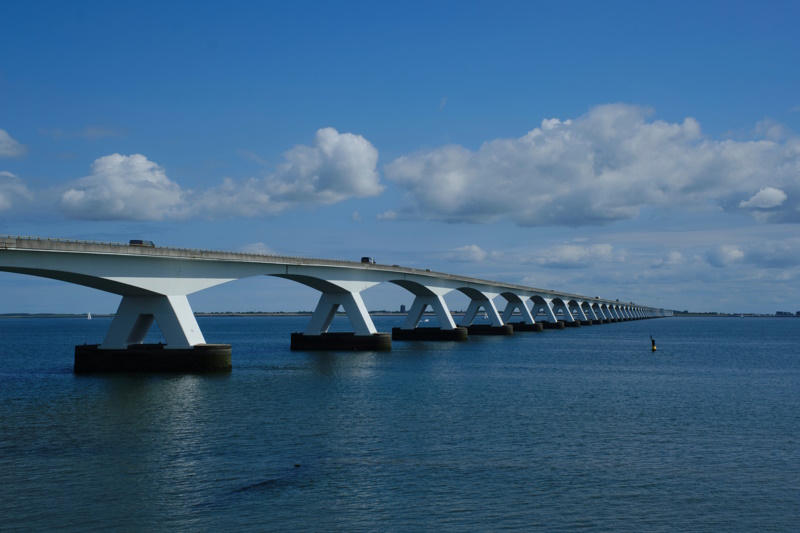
[(12, 190), (771, 129), (577, 255), (601, 167), (725, 255), (673, 258), (765, 198), (336, 167), (123, 188), (471, 253), (773, 255), (9, 147)]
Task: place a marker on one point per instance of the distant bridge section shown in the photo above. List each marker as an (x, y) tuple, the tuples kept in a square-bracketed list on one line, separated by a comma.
[(154, 283)]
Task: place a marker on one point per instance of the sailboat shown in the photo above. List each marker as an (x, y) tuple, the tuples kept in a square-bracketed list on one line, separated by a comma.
[(88, 316)]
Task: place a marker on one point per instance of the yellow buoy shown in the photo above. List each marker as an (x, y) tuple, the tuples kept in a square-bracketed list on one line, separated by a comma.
[(653, 342)]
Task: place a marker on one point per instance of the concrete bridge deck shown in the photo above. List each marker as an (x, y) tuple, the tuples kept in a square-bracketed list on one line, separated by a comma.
[(154, 282)]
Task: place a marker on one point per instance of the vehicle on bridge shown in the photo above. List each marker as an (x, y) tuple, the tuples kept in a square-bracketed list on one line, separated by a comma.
[(139, 242)]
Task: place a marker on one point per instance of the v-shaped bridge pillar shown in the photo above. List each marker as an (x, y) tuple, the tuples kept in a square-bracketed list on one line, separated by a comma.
[(317, 337), (123, 349), (136, 315)]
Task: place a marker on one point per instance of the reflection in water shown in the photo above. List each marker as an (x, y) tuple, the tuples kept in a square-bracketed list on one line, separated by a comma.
[(551, 430)]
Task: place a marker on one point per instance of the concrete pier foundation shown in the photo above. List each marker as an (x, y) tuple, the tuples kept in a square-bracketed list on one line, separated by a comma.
[(553, 325), (573, 324), (523, 326), (586, 322), (430, 334), (203, 358), (342, 341), (484, 329)]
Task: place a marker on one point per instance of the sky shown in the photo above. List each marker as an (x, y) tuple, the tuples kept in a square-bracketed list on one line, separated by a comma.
[(646, 151)]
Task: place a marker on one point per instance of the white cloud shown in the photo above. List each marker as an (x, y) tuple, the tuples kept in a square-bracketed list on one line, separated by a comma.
[(771, 255), (725, 255), (338, 166), (123, 188), (765, 198), (673, 258), (770, 129), (12, 189), (601, 167), (471, 253), (577, 256), (9, 147)]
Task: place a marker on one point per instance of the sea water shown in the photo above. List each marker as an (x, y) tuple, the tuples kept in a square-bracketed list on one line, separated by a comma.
[(581, 428)]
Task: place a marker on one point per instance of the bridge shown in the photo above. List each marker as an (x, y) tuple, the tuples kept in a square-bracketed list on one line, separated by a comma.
[(154, 283)]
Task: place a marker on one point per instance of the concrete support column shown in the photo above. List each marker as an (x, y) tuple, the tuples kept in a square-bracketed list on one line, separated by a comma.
[(353, 305), (590, 314), (543, 305), (559, 304), (576, 310), (475, 305), (517, 305), (136, 315), (437, 303)]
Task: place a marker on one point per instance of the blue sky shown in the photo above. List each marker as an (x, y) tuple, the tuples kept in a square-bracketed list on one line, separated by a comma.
[(635, 150)]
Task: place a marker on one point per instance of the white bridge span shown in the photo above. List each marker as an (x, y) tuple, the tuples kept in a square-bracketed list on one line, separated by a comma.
[(154, 283)]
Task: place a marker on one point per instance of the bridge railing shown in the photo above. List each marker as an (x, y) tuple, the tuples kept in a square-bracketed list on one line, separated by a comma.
[(6, 240)]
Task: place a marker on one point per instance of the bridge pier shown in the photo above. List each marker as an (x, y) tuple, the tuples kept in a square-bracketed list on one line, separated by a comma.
[(488, 329), (123, 350), (136, 315), (483, 300), (317, 337), (448, 330), (345, 341), (524, 326), (458, 334), (203, 358), (515, 303)]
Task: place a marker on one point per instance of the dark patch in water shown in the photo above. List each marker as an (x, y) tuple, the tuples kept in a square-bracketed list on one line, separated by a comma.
[(298, 475)]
